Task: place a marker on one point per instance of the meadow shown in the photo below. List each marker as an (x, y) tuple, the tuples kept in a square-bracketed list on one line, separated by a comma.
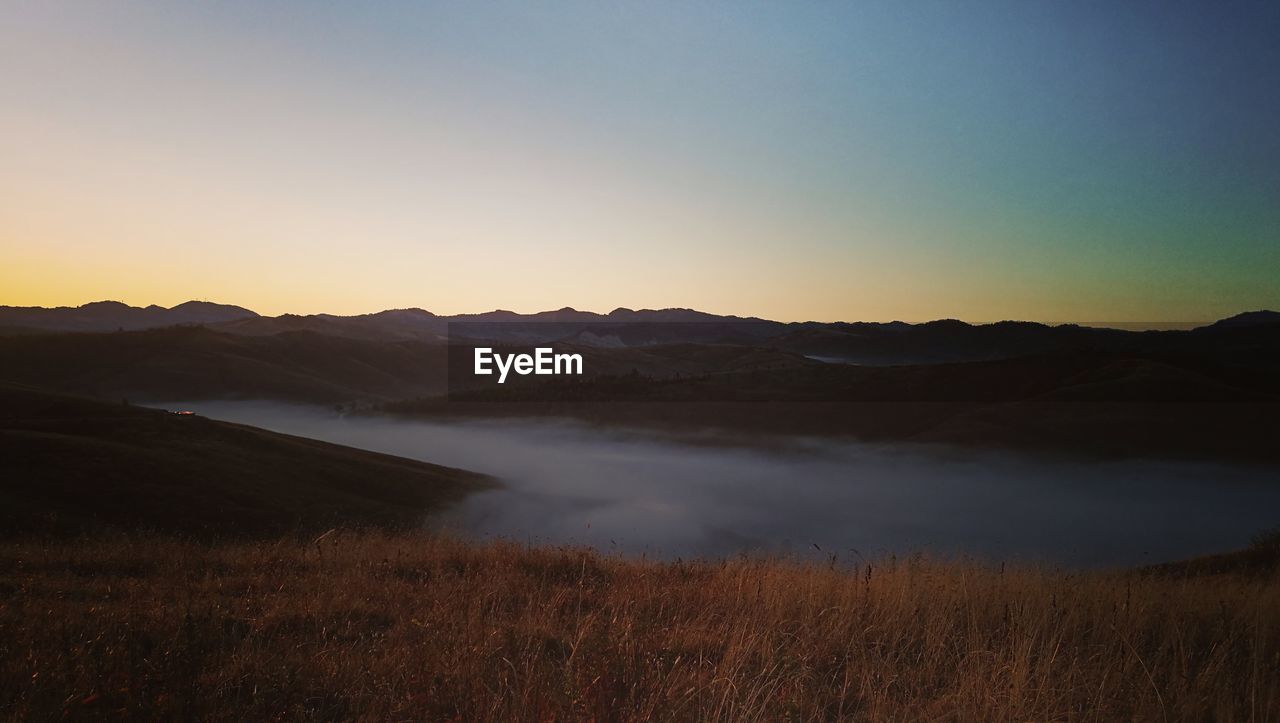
[(415, 626)]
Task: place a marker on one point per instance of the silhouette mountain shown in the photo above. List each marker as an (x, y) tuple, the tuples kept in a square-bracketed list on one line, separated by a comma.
[(1248, 318), (866, 343), (114, 315), (391, 325)]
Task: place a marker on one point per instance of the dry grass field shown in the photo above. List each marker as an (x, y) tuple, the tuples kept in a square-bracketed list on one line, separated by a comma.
[(379, 626)]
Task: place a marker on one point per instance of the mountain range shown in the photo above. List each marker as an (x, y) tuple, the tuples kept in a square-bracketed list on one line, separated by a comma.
[(1211, 390), (865, 343), (113, 316), (100, 316)]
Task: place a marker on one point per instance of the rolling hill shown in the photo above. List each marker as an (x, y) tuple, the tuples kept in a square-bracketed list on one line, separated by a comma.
[(306, 366), (199, 363), (71, 465), (1218, 404), (1212, 391)]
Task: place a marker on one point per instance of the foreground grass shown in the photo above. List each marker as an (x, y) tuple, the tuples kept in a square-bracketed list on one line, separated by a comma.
[(414, 627)]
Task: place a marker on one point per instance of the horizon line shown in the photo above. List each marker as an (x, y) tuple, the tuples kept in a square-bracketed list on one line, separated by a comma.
[(1149, 323)]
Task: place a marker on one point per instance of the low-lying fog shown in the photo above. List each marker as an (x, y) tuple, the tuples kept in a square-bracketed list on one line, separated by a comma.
[(568, 483)]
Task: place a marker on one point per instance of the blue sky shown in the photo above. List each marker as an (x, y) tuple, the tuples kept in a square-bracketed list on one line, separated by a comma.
[(1054, 161)]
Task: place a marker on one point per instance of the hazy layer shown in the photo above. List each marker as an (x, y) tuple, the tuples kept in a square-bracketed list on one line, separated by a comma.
[(618, 491)]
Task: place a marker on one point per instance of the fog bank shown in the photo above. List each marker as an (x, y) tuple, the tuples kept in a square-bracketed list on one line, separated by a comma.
[(633, 493)]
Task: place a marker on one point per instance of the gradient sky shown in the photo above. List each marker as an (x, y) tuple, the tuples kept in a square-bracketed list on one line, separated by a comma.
[(824, 160)]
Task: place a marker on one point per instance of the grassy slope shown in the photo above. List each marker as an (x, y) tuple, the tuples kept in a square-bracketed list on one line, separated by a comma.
[(416, 627), (70, 464)]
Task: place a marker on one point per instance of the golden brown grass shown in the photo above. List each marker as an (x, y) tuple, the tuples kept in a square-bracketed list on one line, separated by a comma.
[(418, 627)]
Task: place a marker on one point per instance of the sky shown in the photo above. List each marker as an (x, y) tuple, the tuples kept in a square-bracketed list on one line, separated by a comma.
[(1051, 161)]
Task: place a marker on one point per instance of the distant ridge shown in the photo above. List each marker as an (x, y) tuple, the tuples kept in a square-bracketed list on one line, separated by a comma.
[(392, 355), (114, 315), (873, 343), (1248, 318), (100, 315), (1141, 325)]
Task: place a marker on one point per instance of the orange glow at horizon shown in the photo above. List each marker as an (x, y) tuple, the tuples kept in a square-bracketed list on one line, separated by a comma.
[(461, 158)]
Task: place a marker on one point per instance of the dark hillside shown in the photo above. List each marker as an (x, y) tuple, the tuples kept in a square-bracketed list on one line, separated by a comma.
[(70, 465), (197, 363)]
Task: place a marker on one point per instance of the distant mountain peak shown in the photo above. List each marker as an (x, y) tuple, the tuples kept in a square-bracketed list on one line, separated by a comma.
[(201, 304), (1248, 318), (946, 324), (412, 311)]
